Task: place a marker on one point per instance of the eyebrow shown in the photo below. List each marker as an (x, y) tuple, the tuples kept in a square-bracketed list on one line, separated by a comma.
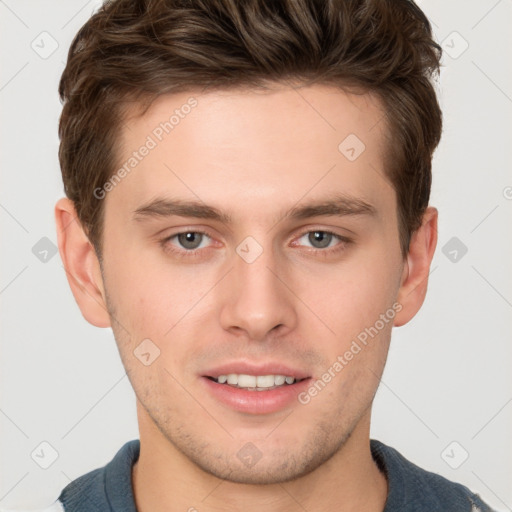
[(340, 205)]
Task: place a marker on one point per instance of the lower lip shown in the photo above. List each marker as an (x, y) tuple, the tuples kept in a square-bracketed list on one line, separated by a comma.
[(256, 402)]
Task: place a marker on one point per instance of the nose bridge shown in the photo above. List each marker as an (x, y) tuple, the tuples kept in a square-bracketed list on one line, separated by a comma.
[(258, 301)]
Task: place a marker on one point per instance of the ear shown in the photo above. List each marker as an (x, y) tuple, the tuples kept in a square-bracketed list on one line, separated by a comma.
[(413, 287), (81, 265)]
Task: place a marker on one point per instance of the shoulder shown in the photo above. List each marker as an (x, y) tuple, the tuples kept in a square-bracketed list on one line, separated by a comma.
[(104, 488), (414, 489)]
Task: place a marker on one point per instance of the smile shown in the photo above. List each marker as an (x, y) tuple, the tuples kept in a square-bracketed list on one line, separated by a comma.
[(255, 382)]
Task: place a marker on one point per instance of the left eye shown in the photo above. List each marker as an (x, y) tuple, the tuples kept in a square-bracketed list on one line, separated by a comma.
[(320, 239), (190, 239)]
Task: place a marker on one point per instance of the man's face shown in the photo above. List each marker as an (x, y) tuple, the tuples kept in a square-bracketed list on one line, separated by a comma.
[(258, 290)]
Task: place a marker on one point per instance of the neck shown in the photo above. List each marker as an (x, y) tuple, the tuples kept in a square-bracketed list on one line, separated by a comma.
[(166, 480)]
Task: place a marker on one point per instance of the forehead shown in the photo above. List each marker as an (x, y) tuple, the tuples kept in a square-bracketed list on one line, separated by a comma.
[(253, 149)]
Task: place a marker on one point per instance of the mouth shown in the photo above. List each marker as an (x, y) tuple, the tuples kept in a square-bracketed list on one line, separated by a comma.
[(255, 389), (255, 382)]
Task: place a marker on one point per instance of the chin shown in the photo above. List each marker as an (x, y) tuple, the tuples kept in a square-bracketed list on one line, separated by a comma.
[(265, 464)]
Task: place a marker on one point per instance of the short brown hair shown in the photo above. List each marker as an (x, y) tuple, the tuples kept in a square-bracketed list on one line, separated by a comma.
[(136, 50)]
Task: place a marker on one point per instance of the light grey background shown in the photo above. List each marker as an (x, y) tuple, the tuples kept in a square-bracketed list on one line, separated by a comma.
[(448, 375)]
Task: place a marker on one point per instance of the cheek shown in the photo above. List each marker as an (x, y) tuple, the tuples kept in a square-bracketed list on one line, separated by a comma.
[(352, 295), (150, 299)]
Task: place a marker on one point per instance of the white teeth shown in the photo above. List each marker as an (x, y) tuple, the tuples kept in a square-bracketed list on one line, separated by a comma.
[(246, 381), (252, 382), (265, 381), (279, 380)]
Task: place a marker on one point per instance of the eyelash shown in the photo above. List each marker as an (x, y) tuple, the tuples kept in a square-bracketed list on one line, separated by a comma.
[(182, 253), (193, 253), (342, 244)]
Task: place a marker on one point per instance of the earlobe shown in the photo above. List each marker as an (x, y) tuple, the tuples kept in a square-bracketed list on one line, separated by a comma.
[(81, 265), (413, 288)]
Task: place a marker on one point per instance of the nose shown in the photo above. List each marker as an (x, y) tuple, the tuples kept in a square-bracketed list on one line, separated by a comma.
[(257, 301)]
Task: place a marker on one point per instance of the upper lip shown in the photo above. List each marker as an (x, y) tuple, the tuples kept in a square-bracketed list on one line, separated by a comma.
[(250, 368)]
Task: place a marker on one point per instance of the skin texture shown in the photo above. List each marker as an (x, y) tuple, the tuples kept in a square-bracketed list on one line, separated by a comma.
[(253, 155)]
